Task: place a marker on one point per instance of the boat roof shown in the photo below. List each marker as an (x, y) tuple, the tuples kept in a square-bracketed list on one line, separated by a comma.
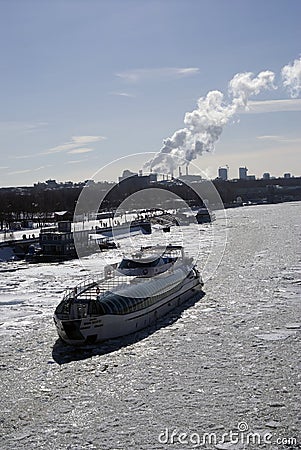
[(148, 288)]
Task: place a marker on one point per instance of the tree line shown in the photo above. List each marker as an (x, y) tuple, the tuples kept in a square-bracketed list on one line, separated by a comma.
[(38, 205)]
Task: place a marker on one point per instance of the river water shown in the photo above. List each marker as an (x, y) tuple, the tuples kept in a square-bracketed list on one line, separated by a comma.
[(226, 363)]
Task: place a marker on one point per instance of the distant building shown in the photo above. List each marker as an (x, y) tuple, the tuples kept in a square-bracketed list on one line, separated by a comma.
[(187, 177), (63, 216), (131, 181), (152, 177), (51, 183), (243, 173), (287, 175), (127, 174), (251, 177), (89, 182), (190, 178), (266, 176), (223, 173)]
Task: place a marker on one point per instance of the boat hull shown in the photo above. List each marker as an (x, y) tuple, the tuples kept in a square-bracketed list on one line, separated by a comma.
[(100, 328)]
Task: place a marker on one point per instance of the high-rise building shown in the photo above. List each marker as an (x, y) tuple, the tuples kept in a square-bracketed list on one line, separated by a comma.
[(243, 173), (266, 176), (223, 173), (287, 175)]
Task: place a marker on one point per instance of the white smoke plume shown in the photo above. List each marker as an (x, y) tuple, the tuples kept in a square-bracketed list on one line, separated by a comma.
[(205, 124), (291, 76)]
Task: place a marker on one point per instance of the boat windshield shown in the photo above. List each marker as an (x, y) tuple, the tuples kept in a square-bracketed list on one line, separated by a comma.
[(134, 264)]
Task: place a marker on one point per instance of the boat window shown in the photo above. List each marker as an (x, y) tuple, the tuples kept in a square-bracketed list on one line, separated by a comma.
[(117, 304), (125, 306), (63, 307), (109, 306), (96, 308)]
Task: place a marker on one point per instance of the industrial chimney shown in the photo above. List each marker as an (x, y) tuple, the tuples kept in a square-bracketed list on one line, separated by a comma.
[(187, 169)]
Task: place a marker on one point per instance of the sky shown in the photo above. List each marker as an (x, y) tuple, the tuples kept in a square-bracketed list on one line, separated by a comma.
[(87, 82)]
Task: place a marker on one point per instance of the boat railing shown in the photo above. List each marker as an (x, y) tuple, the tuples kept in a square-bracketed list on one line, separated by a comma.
[(79, 288), (90, 289)]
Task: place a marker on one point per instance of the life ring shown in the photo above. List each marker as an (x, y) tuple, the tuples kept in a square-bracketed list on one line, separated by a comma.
[(145, 271)]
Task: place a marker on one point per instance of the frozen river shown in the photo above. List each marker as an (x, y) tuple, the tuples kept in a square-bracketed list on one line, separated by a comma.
[(228, 361)]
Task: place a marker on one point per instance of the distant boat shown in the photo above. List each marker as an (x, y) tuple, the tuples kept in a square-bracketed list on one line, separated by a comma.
[(58, 243), (203, 216), (105, 243), (132, 295), (137, 225)]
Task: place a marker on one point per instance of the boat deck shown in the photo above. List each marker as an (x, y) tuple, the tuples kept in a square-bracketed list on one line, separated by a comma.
[(90, 289)]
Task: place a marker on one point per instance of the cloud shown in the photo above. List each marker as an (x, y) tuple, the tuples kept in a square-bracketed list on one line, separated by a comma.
[(74, 143), (291, 77), (277, 138), (268, 106), (23, 126), (122, 94), (17, 172), (81, 150), (87, 139), (136, 75), (75, 161), (29, 155), (270, 137), (42, 167)]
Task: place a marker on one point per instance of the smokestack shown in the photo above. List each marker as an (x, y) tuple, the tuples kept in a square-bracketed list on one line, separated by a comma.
[(172, 174), (180, 172), (187, 170), (163, 177)]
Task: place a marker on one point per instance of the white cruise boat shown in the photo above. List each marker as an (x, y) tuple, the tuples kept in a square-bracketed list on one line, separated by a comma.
[(132, 295)]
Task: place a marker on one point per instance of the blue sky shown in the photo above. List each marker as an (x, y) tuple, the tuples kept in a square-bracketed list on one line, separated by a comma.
[(86, 82)]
